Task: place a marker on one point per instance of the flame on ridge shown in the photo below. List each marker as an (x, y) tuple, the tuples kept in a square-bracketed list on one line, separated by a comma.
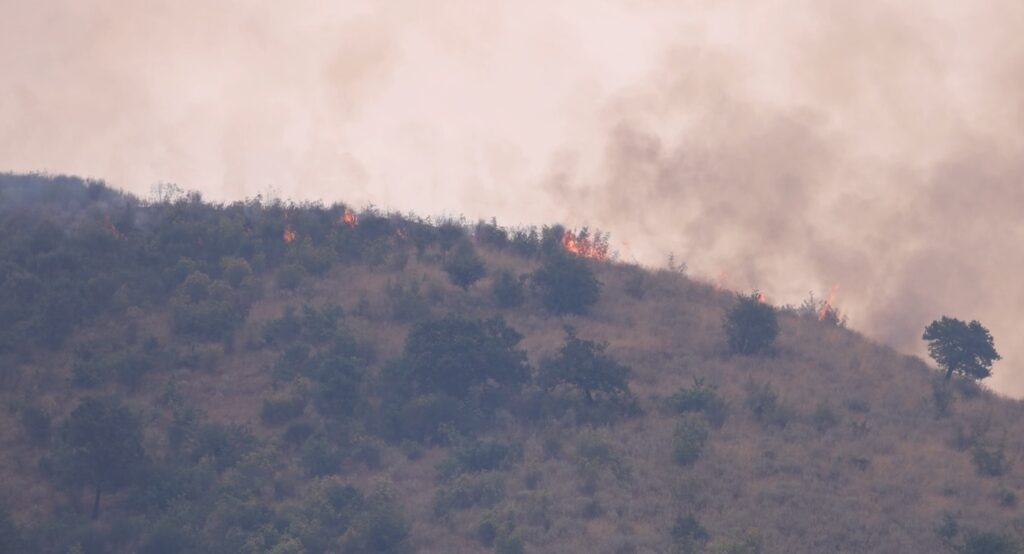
[(349, 218), (289, 233), (829, 304), (585, 246)]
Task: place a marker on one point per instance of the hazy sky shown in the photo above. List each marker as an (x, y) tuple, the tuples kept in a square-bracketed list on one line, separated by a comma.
[(786, 144)]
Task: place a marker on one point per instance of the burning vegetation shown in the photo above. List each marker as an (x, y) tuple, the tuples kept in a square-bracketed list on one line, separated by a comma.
[(349, 218), (289, 233), (585, 245)]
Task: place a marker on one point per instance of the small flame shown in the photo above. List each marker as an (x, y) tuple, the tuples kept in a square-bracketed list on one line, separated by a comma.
[(111, 228), (829, 304), (761, 297), (289, 233), (582, 245), (349, 218)]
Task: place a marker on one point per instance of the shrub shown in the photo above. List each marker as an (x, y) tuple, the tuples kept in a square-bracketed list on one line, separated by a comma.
[(508, 290), (766, 407), (688, 535), (290, 277), (36, 423), (277, 411), (583, 364), (566, 284), (742, 543), (751, 326), (824, 417), (700, 398), (464, 267), (989, 460), (407, 303), (989, 542), (468, 491), (688, 441), (593, 452), (479, 456), (321, 457), (452, 355)]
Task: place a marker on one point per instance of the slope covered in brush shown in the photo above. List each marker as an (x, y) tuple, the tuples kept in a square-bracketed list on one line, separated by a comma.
[(268, 377)]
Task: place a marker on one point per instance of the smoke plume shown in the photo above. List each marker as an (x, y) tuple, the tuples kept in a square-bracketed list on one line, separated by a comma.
[(789, 145)]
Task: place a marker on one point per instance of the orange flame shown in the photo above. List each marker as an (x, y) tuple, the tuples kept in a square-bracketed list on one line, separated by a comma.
[(829, 304), (289, 233), (111, 228), (584, 246), (761, 297), (349, 218)]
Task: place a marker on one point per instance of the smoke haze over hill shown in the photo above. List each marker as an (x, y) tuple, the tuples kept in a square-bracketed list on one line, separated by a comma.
[(789, 145)]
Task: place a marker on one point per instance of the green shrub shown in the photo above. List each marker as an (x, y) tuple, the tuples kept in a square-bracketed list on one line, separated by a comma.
[(290, 277), (688, 441), (464, 267), (479, 456), (321, 457), (466, 491), (824, 417), (766, 407), (566, 284), (277, 411), (508, 290), (36, 422), (990, 542), (594, 452), (700, 398), (989, 460), (751, 325), (688, 536)]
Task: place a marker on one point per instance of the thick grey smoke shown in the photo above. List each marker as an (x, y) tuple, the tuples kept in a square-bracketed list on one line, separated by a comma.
[(790, 145)]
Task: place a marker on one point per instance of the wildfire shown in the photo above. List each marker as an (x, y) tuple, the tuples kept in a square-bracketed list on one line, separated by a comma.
[(349, 218), (829, 304), (581, 244), (761, 297), (289, 233), (111, 228)]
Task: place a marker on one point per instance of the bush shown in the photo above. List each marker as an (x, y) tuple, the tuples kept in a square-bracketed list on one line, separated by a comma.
[(508, 290), (468, 491), (321, 457), (407, 303), (36, 423), (277, 411), (583, 364), (989, 460), (593, 452), (990, 543), (824, 417), (290, 277), (766, 407), (751, 326), (688, 441), (453, 355), (700, 398), (688, 535), (566, 284), (465, 267), (479, 456)]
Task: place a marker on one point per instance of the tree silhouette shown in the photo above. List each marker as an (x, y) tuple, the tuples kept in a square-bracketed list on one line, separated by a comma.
[(100, 446), (585, 365), (566, 284), (750, 325), (465, 267), (963, 348)]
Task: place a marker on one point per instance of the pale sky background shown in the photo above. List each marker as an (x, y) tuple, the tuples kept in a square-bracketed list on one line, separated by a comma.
[(789, 144)]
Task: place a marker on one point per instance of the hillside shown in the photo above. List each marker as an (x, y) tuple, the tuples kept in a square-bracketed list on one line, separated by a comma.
[(281, 362)]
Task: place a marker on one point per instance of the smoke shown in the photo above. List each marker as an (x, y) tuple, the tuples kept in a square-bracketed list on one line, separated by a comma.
[(790, 145)]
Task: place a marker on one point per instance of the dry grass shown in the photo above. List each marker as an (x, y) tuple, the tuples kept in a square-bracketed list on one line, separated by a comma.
[(878, 481)]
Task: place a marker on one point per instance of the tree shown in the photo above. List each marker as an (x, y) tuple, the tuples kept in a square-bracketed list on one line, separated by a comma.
[(963, 348), (990, 543), (585, 365), (566, 284), (453, 354), (100, 446), (465, 267), (751, 326)]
